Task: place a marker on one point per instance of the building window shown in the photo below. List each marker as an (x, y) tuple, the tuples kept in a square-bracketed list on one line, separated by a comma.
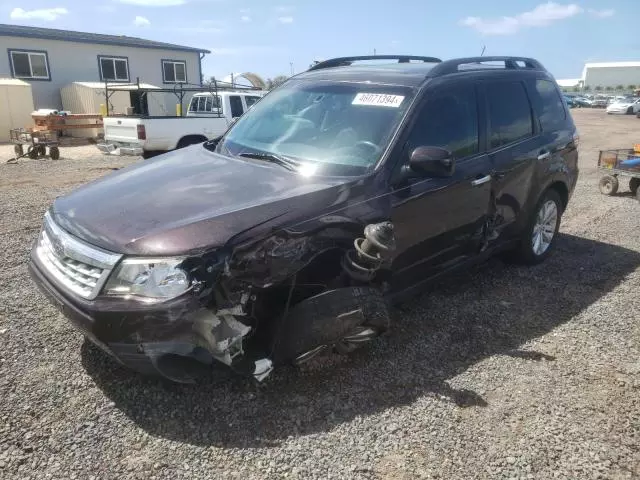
[(29, 64), (115, 69), (174, 71)]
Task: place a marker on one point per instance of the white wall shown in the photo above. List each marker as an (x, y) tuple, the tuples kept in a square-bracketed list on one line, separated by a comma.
[(612, 76), (78, 62)]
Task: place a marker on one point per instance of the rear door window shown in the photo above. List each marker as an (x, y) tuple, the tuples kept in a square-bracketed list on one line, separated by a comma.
[(236, 106), (509, 113), (548, 104)]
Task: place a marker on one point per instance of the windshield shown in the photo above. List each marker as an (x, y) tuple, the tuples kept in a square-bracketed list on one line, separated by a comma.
[(329, 128)]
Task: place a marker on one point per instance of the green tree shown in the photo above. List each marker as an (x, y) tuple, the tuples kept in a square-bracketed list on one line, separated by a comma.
[(631, 87), (276, 81), (608, 88), (576, 89), (587, 88), (620, 87), (598, 88)]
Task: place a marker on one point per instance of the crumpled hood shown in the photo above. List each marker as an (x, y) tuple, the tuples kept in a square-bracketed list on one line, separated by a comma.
[(188, 200)]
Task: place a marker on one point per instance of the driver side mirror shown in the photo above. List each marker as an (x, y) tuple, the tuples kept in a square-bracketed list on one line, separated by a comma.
[(432, 161)]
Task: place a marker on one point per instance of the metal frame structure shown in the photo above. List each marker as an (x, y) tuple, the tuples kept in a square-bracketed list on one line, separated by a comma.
[(179, 90)]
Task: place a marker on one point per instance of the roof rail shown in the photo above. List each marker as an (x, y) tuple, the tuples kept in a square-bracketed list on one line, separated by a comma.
[(452, 66), (345, 61)]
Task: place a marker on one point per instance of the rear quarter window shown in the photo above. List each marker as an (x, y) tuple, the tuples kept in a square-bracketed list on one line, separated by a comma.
[(548, 104)]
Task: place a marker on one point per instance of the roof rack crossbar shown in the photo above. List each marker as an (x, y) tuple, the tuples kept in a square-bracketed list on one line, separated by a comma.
[(345, 61), (452, 66)]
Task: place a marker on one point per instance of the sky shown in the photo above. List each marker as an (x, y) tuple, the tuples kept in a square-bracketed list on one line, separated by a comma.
[(272, 38)]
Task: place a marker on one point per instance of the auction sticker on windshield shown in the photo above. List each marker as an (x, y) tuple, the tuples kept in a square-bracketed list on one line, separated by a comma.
[(378, 100)]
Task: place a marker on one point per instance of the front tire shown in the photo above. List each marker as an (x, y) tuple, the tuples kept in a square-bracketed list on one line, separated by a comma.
[(634, 183), (539, 236)]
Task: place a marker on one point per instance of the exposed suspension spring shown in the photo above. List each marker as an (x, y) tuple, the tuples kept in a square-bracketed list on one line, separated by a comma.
[(369, 253)]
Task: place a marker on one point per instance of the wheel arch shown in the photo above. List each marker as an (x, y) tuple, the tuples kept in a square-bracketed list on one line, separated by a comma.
[(191, 139), (561, 189)]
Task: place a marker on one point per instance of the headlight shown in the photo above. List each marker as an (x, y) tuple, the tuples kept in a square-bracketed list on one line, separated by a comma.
[(149, 278)]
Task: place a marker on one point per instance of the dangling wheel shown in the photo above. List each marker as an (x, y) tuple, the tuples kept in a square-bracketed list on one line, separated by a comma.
[(54, 153), (33, 152), (19, 150), (608, 185), (634, 183), (343, 318)]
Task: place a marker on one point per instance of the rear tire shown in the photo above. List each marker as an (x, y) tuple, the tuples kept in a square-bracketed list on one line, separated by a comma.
[(634, 183), (630, 111), (540, 235), (608, 185), (54, 153)]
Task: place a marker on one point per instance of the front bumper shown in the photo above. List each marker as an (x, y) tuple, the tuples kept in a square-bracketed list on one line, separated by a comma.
[(139, 336)]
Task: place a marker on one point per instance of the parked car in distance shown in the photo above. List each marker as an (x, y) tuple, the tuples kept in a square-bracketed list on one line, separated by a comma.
[(599, 101), (627, 106), (349, 186), (209, 114), (570, 101)]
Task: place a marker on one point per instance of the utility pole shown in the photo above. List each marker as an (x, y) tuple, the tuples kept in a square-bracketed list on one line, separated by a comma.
[(374, 52), (291, 65)]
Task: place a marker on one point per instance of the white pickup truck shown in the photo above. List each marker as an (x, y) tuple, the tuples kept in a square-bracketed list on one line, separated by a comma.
[(208, 116)]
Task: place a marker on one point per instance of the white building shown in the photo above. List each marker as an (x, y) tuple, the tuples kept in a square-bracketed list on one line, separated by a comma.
[(50, 59), (606, 74), (611, 74)]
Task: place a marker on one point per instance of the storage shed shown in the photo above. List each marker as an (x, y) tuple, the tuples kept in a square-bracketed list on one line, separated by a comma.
[(86, 97), (16, 105)]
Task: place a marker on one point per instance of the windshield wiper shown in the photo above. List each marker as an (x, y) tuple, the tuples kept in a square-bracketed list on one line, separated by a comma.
[(273, 158)]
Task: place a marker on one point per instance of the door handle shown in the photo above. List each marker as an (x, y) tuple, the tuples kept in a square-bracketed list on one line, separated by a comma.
[(480, 181), (544, 156)]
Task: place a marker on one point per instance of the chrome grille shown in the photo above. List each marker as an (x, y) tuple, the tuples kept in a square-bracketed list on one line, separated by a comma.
[(77, 266)]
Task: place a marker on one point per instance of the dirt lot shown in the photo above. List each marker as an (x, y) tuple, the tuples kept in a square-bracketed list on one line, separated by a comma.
[(502, 372)]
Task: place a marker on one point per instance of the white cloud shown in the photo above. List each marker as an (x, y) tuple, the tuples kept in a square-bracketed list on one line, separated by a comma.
[(609, 12), (245, 11), (154, 3), (283, 8), (541, 16), (286, 19), (45, 14), (245, 18), (141, 21)]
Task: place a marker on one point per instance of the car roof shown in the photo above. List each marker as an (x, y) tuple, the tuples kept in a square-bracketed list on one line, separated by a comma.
[(414, 74), (405, 74)]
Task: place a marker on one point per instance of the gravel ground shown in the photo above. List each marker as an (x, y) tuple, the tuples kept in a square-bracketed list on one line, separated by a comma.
[(501, 372)]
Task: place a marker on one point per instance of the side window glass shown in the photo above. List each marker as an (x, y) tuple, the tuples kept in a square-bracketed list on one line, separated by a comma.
[(251, 100), (236, 106), (509, 113), (194, 105), (202, 102), (549, 105), (449, 119), (209, 104)]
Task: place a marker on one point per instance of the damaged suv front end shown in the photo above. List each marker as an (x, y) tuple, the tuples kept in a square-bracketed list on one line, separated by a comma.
[(142, 311), (227, 253)]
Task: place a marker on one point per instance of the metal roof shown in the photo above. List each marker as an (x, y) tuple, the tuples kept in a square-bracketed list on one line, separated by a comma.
[(95, 38), (611, 64), (14, 81)]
